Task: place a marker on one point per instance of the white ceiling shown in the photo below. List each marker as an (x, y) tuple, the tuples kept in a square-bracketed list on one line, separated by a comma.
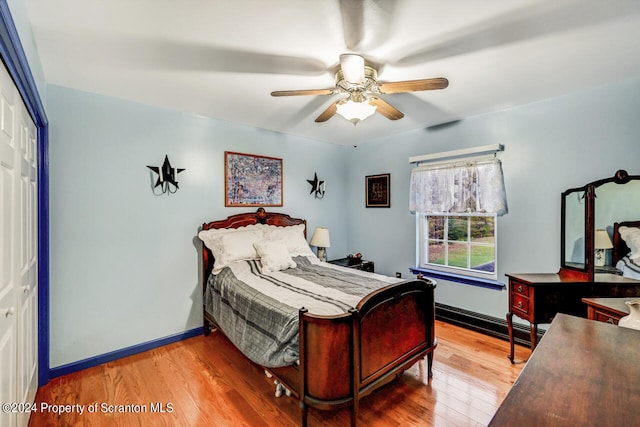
[(222, 59)]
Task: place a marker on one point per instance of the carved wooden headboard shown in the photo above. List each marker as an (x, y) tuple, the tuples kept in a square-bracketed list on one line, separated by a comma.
[(620, 248), (241, 220)]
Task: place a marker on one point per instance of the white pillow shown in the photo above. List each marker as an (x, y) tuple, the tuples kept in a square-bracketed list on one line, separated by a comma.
[(209, 236), (631, 236), (274, 255), (231, 245), (293, 238)]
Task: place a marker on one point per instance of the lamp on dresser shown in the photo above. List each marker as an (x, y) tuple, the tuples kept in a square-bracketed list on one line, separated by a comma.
[(321, 240), (602, 243)]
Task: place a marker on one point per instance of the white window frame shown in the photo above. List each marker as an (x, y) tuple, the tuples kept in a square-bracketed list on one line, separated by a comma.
[(422, 248)]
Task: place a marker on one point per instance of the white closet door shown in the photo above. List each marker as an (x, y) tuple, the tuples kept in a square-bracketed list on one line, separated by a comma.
[(18, 253), (27, 226), (9, 209)]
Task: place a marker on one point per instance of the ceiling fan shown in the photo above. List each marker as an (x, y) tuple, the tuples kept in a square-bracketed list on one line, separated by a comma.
[(359, 82)]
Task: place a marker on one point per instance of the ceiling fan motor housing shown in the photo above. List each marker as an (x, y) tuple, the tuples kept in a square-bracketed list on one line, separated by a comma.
[(369, 84)]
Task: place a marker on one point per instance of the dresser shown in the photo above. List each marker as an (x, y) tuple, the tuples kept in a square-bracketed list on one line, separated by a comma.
[(537, 298), (593, 209), (583, 373), (608, 310)]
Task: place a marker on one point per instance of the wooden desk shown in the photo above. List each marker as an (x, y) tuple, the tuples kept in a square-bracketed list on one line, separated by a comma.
[(583, 373), (608, 310), (537, 298)]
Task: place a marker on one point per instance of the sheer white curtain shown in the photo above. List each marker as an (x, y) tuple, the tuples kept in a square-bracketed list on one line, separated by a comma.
[(471, 187)]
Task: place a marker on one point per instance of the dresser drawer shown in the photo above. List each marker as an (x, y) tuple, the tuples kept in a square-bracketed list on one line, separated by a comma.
[(604, 316), (520, 303), (520, 288)]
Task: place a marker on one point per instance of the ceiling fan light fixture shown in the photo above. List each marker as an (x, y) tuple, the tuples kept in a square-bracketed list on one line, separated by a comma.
[(352, 66), (358, 83), (355, 111)]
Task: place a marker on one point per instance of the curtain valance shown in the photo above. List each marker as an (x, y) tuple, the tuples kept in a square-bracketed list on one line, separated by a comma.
[(470, 187)]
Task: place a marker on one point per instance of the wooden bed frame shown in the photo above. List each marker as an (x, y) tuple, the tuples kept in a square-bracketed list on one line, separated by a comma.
[(620, 248), (345, 357)]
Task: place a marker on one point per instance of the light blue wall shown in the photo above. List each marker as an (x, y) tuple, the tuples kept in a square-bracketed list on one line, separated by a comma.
[(124, 262), (550, 146)]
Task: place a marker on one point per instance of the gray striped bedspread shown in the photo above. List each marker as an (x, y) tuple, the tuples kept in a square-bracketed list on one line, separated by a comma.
[(630, 268), (259, 312)]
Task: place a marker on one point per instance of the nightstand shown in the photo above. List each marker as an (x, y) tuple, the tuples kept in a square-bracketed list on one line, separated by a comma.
[(362, 264)]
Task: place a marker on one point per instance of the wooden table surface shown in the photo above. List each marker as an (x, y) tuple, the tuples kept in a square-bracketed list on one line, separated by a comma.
[(583, 373)]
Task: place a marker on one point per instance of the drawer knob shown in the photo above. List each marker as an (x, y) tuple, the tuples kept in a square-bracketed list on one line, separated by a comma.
[(611, 321), (519, 288), (519, 304)]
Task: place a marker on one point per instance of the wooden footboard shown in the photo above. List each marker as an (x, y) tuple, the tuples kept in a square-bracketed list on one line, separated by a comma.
[(344, 358)]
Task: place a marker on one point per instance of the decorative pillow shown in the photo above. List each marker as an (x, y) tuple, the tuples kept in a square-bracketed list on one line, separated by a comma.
[(209, 236), (274, 255), (293, 238), (231, 245), (631, 236)]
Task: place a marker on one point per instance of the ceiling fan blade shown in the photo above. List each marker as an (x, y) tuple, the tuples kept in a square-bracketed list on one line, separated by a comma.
[(328, 113), (413, 85), (190, 56), (302, 92), (386, 109), (538, 20), (366, 23)]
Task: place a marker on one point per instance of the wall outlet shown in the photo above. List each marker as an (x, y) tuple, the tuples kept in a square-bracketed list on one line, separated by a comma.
[(398, 275)]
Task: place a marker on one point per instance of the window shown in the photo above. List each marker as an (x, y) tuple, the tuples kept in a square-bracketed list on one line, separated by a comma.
[(456, 203), (458, 243)]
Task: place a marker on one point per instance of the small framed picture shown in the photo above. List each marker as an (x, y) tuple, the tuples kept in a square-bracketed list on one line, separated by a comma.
[(377, 189)]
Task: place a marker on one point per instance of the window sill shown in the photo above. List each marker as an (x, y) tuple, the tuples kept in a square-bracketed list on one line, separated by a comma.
[(467, 280)]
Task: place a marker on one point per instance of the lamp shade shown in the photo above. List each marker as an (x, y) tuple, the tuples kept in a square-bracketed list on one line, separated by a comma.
[(320, 238), (355, 111), (353, 67), (602, 240)]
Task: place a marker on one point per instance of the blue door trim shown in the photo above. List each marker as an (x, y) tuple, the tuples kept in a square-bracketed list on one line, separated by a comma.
[(16, 62)]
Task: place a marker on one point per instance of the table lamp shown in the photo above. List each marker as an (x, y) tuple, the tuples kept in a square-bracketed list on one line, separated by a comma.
[(602, 243), (321, 240)]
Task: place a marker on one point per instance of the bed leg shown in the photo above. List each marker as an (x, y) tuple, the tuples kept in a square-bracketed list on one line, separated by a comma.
[(206, 327), (429, 365), (354, 413), (304, 411)]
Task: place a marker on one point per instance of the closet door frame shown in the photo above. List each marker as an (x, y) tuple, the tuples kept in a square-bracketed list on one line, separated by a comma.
[(14, 58)]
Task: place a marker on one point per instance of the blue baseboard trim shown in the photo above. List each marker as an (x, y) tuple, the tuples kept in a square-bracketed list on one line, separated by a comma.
[(118, 354)]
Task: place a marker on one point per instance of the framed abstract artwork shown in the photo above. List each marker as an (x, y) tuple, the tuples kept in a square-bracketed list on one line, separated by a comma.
[(252, 180), (377, 189)]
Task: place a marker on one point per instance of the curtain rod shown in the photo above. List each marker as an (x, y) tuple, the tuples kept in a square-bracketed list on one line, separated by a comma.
[(494, 148)]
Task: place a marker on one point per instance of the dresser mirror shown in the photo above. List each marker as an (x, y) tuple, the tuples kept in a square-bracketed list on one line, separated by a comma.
[(574, 230), (595, 206)]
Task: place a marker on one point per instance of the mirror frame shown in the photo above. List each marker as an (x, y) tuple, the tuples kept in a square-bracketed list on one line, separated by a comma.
[(588, 271)]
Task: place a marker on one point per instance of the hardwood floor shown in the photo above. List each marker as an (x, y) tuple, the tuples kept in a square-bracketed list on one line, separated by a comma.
[(205, 381)]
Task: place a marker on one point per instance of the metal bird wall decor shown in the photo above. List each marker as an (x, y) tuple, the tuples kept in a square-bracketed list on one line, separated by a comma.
[(167, 176)]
